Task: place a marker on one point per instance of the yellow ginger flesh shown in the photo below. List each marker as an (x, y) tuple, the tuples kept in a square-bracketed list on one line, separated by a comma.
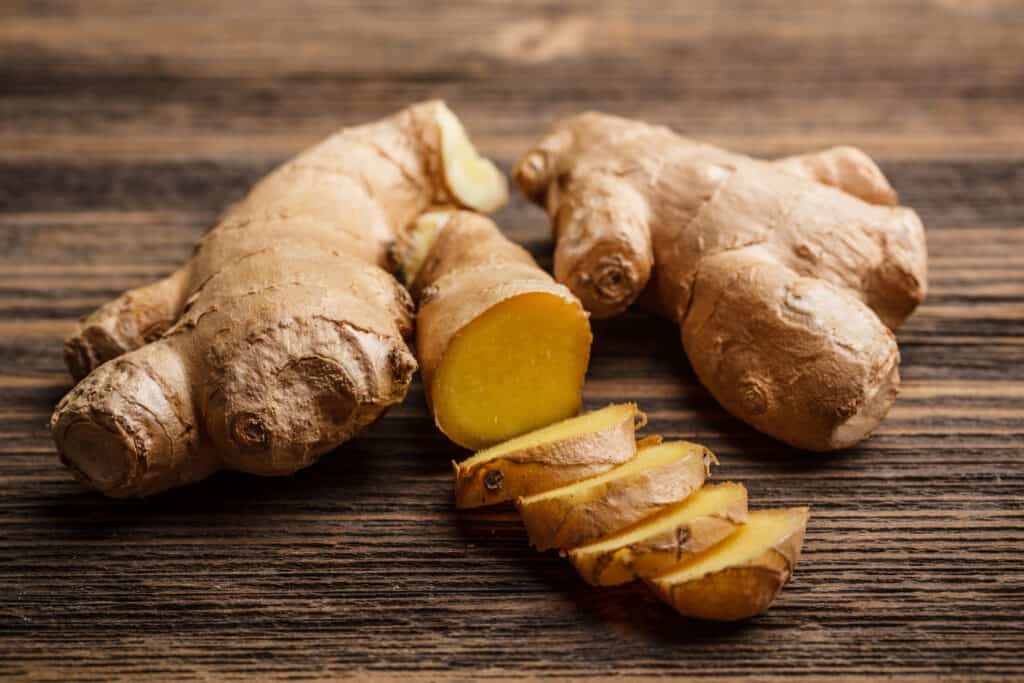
[(516, 368)]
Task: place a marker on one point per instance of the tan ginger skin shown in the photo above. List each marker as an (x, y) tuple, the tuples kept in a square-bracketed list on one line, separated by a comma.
[(786, 278), (284, 335)]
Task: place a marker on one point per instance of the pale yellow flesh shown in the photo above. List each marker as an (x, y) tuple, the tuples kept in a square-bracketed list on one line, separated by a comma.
[(514, 369), (474, 180), (648, 457), (423, 235), (595, 421), (764, 529), (705, 501)]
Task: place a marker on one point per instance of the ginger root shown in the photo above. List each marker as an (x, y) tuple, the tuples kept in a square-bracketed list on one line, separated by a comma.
[(284, 335), (647, 518), (503, 348), (786, 278)]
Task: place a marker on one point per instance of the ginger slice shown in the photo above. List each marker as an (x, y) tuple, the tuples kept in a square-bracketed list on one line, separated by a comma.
[(552, 456), (582, 512), (659, 542), (741, 576)]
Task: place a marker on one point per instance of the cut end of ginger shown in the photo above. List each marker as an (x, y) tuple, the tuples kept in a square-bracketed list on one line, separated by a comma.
[(518, 367), (741, 576), (474, 181)]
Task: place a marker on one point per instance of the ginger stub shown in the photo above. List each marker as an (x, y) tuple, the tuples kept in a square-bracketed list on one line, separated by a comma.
[(503, 348)]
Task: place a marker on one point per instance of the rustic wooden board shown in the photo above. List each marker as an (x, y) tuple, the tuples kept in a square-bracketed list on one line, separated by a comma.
[(124, 127)]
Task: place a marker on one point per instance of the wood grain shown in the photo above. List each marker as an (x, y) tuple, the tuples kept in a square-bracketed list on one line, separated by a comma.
[(126, 127)]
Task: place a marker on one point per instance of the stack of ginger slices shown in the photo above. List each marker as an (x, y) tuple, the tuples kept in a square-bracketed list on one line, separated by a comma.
[(623, 509)]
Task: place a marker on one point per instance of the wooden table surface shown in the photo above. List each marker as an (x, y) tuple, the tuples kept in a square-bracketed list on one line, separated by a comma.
[(126, 126)]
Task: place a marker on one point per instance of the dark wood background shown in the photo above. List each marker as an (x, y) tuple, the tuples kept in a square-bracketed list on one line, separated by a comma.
[(126, 126)]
